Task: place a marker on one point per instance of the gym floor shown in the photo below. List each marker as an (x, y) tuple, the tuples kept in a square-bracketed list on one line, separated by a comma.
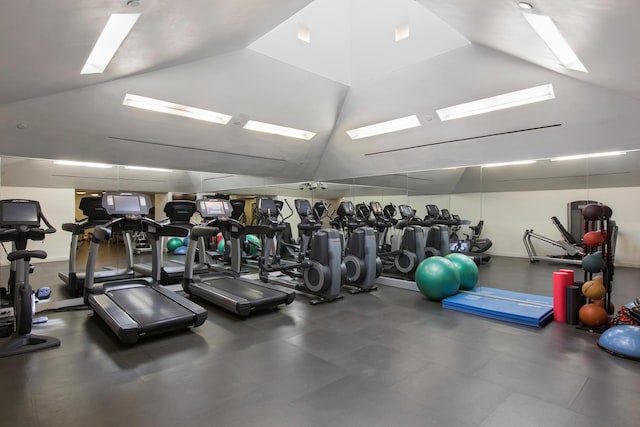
[(381, 359)]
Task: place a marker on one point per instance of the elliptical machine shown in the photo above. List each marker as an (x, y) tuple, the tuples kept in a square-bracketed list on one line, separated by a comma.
[(19, 223), (405, 253), (361, 259), (320, 274)]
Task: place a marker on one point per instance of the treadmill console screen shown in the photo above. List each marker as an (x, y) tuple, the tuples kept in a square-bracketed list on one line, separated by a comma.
[(405, 211), (126, 203), (214, 208), (19, 212)]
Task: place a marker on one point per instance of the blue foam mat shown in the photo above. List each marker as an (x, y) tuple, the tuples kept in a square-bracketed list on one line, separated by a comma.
[(508, 306)]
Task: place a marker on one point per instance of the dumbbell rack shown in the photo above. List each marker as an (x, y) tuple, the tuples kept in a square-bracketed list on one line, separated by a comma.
[(608, 227)]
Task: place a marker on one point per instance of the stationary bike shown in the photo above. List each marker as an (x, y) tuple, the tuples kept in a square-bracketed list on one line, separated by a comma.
[(19, 223)]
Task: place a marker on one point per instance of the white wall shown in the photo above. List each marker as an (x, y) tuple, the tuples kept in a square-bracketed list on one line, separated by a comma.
[(58, 206)]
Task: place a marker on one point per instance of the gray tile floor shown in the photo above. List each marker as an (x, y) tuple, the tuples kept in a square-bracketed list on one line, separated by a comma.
[(389, 358)]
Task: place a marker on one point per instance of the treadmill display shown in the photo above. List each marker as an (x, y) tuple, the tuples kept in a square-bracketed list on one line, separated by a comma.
[(19, 213), (129, 204), (215, 208)]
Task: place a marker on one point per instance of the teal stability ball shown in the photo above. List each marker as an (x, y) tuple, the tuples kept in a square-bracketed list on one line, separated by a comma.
[(467, 269), (437, 278), (593, 263), (254, 244), (173, 243), (221, 246)]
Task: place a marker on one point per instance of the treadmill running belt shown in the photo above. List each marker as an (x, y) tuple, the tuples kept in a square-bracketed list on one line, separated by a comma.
[(148, 306), (244, 290)]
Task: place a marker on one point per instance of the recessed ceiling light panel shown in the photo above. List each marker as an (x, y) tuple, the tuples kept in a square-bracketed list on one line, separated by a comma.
[(516, 163), (525, 5), (175, 109), (549, 33), (385, 127), (499, 102), (588, 156), (144, 168), (115, 31), (83, 164), (278, 130)]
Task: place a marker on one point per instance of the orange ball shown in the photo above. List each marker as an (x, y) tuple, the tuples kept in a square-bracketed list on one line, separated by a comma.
[(592, 315), (593, 239), (600, 303), (593, 290)]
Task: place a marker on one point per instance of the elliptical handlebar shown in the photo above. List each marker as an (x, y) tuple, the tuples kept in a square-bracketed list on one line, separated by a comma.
[(281, 215)]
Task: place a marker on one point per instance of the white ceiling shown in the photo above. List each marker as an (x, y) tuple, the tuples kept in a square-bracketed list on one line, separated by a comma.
[(353, 41), (195, 53)]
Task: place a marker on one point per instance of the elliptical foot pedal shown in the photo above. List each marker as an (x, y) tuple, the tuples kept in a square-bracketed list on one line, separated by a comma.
[(360, 290)]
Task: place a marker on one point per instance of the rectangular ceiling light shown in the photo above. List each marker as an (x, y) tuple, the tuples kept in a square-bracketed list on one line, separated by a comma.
[(83, 164), (547, 30), (499, 102), (175, 109), (385, 127), (519, 162), (279, 130), (112, 36), (588, 156), (402, 31), (144, 168)]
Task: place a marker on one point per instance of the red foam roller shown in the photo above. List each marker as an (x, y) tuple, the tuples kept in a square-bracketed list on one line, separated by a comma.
[(560, 279), (571, 274)]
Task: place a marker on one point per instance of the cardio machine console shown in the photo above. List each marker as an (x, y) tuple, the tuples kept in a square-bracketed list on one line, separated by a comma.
[(406, 211), (19, 212), (214, 208), (126, 204)]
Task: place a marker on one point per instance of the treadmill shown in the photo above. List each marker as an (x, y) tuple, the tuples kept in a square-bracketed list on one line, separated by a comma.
[(95, 215), (136, 308), (236, 294), (179, 213)]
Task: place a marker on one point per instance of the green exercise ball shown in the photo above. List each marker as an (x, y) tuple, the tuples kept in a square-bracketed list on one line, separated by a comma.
[(254, 244), (467, 269), (437, 278), (221, 246), (174, 243), (593, 263)]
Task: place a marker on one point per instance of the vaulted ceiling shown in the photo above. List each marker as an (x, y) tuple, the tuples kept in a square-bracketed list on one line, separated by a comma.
[(243, 58)]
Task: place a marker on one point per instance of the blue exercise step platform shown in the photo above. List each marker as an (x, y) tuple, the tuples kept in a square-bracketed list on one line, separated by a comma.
[(508, 306)]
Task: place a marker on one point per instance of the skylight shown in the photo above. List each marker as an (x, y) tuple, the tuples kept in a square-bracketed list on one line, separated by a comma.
[(547, 30), (499, 102), (304, 33), (385, 127), (115, 31), (402, 31), (278, 130), (175, 109)]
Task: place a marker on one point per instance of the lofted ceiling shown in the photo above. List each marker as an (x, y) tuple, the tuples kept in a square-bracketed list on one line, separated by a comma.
[(243, 58)]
